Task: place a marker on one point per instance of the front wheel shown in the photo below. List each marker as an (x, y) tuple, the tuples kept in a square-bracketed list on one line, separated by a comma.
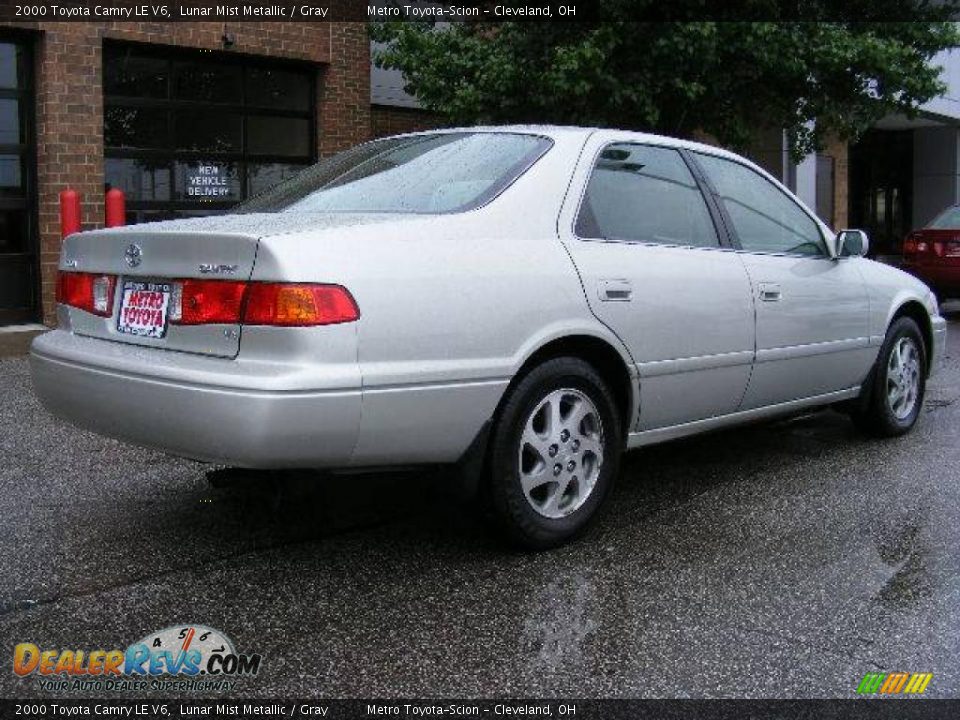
[(897, 384), (555, 453)]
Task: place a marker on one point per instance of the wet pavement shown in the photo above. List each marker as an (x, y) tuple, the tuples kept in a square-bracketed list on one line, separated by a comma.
[(778, 560)]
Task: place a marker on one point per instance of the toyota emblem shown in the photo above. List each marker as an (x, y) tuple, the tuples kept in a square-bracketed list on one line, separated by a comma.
[(133, 255)]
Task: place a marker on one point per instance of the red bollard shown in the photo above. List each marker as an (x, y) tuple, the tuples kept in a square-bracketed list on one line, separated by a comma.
[(116, 207), (69, 212)]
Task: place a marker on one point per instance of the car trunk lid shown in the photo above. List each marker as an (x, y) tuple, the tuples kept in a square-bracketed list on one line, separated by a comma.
[(150, 263)]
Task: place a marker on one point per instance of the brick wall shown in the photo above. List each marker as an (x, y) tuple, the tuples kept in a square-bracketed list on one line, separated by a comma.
[(839, 150), (385, 120), (69, 100), (345, 89)]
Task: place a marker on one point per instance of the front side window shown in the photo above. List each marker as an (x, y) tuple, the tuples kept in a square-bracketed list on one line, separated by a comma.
[(640, 193), (435, 173), (764, 217)]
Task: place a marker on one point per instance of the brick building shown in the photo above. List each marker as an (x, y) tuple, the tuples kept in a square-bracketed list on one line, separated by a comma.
[(151, 108)]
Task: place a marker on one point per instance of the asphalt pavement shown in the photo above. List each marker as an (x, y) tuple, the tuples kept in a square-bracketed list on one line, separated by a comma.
[(776, 560)]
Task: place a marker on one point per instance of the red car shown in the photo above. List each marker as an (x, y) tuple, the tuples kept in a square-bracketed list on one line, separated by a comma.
[(933, 253)]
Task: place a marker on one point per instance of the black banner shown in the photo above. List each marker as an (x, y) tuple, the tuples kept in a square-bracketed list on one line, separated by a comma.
[(912, 709), (31, 12)]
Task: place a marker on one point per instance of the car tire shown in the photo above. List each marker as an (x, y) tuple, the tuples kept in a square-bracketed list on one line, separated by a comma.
[(554, 454), (895, 390)]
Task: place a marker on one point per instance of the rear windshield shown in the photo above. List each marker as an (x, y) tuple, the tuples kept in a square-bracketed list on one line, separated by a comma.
[(436, 173), (949, 219)]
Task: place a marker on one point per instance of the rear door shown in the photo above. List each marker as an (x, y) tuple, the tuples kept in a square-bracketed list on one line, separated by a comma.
[(656, 271), (813, 311)]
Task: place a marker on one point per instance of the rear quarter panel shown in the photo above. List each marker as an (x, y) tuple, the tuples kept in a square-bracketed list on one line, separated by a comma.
[(451, 306)]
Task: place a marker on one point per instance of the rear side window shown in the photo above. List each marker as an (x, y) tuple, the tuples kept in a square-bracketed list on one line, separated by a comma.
[(640, 193), (949, 219), (764, 217)]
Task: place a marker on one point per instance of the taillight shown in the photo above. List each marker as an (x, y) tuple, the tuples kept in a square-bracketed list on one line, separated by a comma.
[(203, 302), (298, 304), (198, 302), (87, 291), (916, 245)]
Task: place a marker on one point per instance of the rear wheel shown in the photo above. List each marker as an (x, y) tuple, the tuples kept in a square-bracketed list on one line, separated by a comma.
[(554, 454), (897, 384)]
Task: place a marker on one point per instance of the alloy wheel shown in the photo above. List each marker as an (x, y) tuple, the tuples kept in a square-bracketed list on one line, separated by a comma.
[(561, 453), (903, 377)]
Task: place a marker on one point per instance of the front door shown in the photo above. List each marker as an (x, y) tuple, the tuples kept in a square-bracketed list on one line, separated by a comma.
[(19, 285), (655, 272), (812, 310)]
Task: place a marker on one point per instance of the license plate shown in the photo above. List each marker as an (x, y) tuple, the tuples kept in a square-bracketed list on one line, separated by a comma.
[(953, 250), (144, 308)]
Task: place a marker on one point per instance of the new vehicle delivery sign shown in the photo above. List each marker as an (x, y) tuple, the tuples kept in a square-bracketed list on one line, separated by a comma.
[(208, 182)]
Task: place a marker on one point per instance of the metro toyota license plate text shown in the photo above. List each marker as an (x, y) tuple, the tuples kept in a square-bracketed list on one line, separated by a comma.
[(143, 308)]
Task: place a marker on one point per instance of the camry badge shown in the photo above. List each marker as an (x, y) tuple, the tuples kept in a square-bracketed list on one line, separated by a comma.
[(133, 255), (212, 269)]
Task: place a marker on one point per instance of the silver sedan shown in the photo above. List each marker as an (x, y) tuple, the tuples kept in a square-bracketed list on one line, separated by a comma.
[(528, 302)]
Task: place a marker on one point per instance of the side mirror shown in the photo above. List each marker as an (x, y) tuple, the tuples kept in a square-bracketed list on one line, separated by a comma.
[(852, 243)]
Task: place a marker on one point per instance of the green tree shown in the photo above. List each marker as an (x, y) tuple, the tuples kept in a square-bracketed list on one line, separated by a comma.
[(723, 78)]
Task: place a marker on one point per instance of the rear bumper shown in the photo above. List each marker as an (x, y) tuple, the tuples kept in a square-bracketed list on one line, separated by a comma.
[(196, 407)]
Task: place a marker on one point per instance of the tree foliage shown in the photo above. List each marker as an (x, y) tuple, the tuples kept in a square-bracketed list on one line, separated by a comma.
[(725, 78)]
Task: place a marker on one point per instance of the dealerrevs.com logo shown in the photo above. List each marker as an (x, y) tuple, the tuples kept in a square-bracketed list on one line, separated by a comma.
[(180, 658)]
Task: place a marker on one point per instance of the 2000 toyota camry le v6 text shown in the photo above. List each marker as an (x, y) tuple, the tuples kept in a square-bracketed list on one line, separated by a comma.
[(536, 299)]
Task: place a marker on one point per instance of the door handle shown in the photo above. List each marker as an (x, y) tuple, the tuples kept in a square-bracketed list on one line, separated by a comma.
[(615, 291), (770, 292)]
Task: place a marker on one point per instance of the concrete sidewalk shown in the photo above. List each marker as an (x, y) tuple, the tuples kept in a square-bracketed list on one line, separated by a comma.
[(15, 339)]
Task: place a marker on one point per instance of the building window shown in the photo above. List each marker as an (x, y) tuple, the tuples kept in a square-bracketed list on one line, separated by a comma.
[(194, 133), (19, 284)]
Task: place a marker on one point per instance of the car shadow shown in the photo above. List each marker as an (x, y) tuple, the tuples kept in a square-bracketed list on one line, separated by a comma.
[(282, 507), (380, 517)]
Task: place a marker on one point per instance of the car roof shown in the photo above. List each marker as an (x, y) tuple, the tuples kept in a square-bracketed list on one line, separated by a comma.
[(572, 131), (556, 131)]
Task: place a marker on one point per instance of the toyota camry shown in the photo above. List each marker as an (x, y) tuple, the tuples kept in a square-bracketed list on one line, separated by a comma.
[(524, 302)]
